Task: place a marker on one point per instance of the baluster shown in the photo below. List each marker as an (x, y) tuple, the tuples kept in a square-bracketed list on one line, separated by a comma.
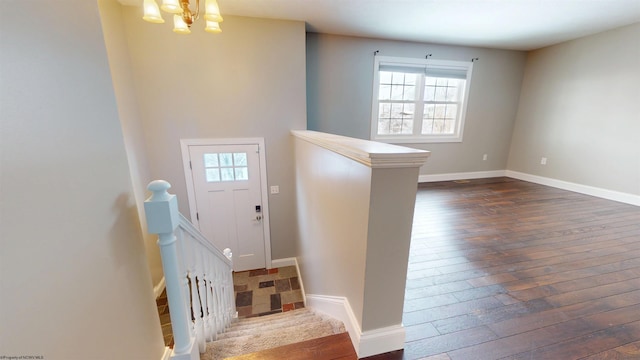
[(228, 280), (226, 320), (196, 308), (188, 281), (210, 322), (214, 296), (202, 300)]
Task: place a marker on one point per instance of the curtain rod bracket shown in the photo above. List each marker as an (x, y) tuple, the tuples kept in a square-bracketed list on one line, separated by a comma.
[(475, 59), (376, 52)]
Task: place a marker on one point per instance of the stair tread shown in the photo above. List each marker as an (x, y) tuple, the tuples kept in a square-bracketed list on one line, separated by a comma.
[(268, 319), (336, 347), (255, 319), (290, 329), (238, 331), (281, 330)]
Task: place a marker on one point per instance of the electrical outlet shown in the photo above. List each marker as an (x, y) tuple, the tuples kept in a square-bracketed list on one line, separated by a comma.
[(543, 161), (275, 189), (484, 157)]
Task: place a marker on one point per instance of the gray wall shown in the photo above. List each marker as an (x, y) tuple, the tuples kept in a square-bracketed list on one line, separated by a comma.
[(339, 90), (580, 108), (248, 81), (121, 75), (73, 272)]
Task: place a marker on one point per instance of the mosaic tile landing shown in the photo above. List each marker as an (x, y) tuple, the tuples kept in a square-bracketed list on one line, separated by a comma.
[(267, 291)]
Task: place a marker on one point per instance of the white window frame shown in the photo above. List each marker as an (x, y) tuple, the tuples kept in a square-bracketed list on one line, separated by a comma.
[(417, 136)]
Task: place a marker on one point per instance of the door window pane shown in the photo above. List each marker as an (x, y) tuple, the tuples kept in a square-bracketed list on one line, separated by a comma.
[(240, 159), (227, 174), (241, 173), (226, 159), (213, 175), (211, 160)]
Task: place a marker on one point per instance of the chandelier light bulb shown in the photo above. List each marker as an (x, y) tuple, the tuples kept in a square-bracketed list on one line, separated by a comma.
[(171, 6), (213, 27), (152, 12), (212, 12), (179, 26)]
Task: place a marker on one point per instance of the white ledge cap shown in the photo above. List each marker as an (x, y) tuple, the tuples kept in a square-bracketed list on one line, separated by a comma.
[(371, 153)]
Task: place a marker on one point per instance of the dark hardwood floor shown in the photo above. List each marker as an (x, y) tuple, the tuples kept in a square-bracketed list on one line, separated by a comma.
[(506, 269)]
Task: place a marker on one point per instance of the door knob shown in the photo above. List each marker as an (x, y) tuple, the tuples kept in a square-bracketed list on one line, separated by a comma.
[(258, 217)]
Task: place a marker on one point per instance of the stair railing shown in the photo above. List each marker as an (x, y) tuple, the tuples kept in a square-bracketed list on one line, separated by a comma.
[(198, 276)]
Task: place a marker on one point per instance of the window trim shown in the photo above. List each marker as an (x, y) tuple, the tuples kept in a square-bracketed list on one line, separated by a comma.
[(424, 63)]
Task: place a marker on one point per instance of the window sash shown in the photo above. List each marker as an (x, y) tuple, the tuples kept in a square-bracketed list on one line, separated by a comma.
[(439, 69), (430, 71)]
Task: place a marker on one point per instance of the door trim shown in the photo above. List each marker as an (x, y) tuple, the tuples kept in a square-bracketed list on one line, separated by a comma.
[(191, 192)]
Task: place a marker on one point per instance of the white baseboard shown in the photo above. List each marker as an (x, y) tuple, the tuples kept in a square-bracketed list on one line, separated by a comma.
[(380, 341), (366, 343), (292, 261), (284, 262), (339, 308), (157, 290), (579, 188), (461, 176), (560, 184)]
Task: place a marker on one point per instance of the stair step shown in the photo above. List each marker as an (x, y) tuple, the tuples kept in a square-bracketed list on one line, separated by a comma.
[(255, 319), (329, 347), (274, 321), (267, 326), (283, 333), (272, 331)]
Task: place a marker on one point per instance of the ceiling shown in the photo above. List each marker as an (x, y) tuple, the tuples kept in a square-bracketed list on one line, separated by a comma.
[(503, 24)]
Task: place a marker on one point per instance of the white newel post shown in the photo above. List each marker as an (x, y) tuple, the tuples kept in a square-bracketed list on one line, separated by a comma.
[(162, 214)]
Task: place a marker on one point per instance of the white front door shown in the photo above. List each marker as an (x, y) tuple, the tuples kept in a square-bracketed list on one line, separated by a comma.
[(228, 200)]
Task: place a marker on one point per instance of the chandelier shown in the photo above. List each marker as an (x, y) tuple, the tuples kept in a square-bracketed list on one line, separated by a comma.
[(183, 17)]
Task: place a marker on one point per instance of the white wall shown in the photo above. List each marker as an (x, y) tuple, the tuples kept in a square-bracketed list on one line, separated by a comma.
[(246, 82), (580, 108), (333, 209), (339, 95), (355, 204), (121, 74), (392, 203), (73, 272)]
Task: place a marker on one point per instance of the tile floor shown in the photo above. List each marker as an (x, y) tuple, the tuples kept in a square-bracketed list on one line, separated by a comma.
[(267, 291)]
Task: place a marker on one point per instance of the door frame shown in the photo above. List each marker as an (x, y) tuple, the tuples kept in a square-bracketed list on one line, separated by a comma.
[(191, 192)]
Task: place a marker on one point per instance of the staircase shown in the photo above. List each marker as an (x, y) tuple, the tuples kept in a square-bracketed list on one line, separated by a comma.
[(272, 331), (315, 336), (300, 334), (200, 299)]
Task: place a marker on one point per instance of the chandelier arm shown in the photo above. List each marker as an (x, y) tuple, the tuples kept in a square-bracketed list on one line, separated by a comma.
[(197, 15), (187, 15)]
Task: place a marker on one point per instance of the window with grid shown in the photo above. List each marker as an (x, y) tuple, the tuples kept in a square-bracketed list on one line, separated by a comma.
[(419, 100), (226, 167)]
